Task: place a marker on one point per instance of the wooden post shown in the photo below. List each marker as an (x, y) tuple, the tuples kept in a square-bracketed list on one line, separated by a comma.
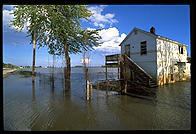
[(121, 75), (87, 89), (88, 92), (106, 71), (125, 77), (106, 87), (118, 67), (125, 90)]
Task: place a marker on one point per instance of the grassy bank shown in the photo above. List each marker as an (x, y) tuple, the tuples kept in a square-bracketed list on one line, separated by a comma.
[(21, 72)]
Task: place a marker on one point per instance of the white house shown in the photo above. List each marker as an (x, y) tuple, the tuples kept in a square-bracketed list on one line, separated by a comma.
[(163, 59)]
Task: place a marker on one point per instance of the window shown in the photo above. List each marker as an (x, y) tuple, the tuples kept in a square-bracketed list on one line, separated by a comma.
[(143, 48), (172, 77), (132, 75), (127, 50), (180, 50)]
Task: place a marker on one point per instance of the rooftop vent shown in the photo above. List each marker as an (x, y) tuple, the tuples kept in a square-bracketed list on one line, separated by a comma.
[(152, 30)]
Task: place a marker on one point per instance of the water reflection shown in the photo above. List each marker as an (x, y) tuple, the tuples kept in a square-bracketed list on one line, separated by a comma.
[(51, 103), (52, 81), (67, 79), (33, 91)]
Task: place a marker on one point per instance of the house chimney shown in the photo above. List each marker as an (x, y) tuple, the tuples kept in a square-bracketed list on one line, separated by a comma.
[(152, 30)]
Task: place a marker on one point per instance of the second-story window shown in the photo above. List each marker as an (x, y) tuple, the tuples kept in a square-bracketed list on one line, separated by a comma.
[(143, 48), (180, 50)]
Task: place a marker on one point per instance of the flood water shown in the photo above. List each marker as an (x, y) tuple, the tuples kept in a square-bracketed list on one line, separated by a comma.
[(47, 105)]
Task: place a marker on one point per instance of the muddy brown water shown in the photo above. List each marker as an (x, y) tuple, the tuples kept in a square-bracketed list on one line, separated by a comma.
[(46, 106)]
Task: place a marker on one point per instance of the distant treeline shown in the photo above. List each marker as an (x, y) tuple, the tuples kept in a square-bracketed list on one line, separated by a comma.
[(30, 66), (8, 65), (78, 66)]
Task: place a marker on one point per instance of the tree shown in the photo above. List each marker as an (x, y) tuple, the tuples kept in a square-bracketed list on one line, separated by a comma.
[(66, 35), (58, 27), (36, 17)]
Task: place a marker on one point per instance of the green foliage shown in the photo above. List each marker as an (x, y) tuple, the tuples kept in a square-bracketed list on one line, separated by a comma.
[(56, 24), (64, 26), (8, 65), (24, 73), (31, 16)]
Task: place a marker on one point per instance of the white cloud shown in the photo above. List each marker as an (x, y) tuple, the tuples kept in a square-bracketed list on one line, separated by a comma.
[(100, 24), (7, 17), (111, 40), (99, 19), (109, 34)]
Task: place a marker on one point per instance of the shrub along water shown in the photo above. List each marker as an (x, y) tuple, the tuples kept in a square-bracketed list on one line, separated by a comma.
[(24, 73)]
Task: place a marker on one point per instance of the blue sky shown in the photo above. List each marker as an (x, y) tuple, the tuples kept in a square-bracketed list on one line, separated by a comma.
[(117, 21)]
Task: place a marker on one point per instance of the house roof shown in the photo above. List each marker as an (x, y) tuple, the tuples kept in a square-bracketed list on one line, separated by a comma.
[(154, 35)]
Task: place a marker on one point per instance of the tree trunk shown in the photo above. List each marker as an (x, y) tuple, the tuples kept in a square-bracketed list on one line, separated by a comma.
[(67, 69), (33, 67), (85, 67)]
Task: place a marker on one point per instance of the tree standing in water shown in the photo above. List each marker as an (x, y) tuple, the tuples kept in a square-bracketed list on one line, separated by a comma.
[(66, 34), (58, 27), (33, 18)]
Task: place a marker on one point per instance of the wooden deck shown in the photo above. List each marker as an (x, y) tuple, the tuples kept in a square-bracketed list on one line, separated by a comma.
[(132, 78)]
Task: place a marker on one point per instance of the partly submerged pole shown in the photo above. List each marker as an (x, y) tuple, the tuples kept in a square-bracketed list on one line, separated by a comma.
[(118, 58), (106, 70)]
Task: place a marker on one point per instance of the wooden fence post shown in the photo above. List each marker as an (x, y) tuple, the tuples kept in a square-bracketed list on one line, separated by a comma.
[(122, 74), (88, 92), (106, 71), (125, 76)]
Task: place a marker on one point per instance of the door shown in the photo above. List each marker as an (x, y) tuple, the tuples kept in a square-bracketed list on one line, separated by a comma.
[(131, 75), (127, 50)]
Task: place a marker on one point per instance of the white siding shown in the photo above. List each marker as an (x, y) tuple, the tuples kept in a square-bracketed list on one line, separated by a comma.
[(149, 61), (168, 55), (162, 54)]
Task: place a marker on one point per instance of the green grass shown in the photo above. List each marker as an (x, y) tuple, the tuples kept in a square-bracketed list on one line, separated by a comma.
[(24, 73)]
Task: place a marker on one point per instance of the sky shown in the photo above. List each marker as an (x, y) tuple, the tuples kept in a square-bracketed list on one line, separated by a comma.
[(116, 21)]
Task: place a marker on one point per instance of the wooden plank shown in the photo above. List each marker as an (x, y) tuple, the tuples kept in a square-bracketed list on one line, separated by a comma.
[(111, 64), (121, 77), (112, 57), (106, 71)]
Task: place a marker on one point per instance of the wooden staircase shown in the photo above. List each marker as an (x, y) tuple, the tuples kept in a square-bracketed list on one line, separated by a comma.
[(140, 76), (137, 83)]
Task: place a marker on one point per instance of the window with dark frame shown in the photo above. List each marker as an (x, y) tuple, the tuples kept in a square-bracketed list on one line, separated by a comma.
[(180, 50), (172, 77), (132, 75), (143, 48), (127, 50)]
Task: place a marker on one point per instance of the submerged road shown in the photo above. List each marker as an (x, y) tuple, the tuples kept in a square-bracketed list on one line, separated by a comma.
[(7, 71)]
